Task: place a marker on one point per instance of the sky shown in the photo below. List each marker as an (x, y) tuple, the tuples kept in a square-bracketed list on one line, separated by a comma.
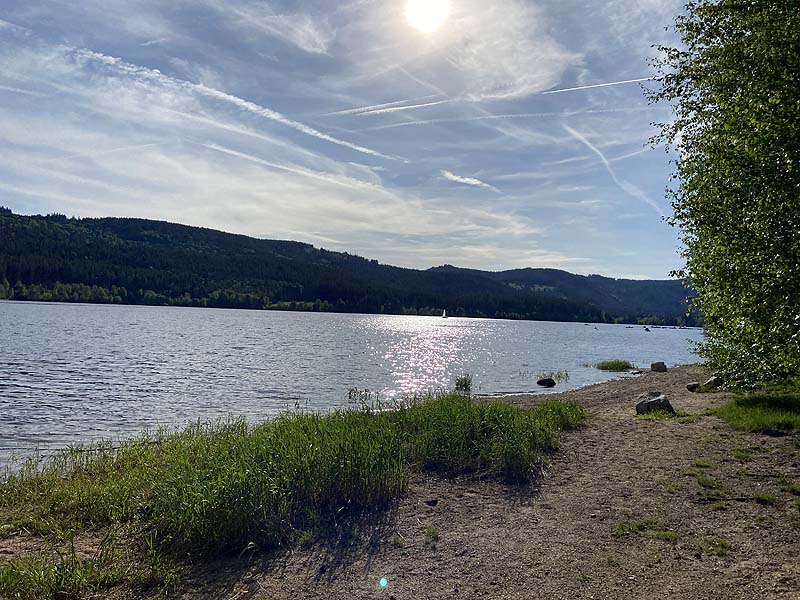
[(415, 132)]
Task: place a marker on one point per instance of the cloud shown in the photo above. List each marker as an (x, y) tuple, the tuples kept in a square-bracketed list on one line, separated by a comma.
[(144, 73), (468, 181), (503, 49), (16, 90), (625, 186), (307, 32), (490, 117)]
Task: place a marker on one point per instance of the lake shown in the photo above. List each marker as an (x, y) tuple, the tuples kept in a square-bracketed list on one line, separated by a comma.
[(74, 373)]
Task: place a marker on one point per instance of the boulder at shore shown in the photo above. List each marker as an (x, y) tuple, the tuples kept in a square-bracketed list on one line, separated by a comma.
[(548, 382), (653, 402), (658, 367)]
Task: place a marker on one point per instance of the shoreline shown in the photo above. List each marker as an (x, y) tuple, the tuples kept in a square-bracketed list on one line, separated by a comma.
[(626, 508)]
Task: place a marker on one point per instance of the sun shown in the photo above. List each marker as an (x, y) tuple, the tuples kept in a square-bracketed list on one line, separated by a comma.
[(427, 15)]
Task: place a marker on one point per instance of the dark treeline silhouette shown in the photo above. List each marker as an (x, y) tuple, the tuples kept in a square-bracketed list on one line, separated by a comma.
[(136, 261)]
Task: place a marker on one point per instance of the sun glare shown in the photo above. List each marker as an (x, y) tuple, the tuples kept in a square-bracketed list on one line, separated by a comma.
[(427, 15)]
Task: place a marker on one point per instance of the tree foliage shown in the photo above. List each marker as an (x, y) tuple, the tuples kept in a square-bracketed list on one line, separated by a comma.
[(734, 88)]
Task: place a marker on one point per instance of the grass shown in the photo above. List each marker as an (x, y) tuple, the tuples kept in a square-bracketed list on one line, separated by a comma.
[(59, 574), (561, 376), (431, 537), (614, 365), (791, 488), (635, 526), (714, 546), (226, 487), (656, 415), (764, 412), (765, 499), (666, 535), (464, 384)]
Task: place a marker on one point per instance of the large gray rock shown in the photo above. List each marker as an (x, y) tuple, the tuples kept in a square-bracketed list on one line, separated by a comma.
[(653, 402), (658, 367), (693, 387)]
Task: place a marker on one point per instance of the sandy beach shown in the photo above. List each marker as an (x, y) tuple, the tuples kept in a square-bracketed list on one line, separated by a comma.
[(703, 537)]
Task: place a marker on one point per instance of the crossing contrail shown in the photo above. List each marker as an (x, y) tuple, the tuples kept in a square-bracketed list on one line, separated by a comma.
[(597, 85), (625, 186), (369, 109)]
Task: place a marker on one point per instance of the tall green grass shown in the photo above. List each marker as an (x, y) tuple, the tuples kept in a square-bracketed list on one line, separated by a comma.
[(614, 365), (764, 412), (215, 489)]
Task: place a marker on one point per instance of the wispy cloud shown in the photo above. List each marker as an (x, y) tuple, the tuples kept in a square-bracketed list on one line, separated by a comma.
[(450, 176), (93, 155), (24, 92), (347, 182), (629, 188), (541, 115), (138, 71), (241, 115), (310, 33)]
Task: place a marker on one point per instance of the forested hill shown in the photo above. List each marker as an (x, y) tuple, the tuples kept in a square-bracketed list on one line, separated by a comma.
[(138, 261)]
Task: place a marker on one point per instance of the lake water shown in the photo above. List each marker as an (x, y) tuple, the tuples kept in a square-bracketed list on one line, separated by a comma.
[(71, 373)]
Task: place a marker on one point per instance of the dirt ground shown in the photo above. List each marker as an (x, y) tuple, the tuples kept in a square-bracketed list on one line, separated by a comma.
[(559, 541), (628, 508)]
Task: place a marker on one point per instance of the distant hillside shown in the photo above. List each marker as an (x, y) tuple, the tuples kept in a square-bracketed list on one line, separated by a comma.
[(631, 298), (137, 261)]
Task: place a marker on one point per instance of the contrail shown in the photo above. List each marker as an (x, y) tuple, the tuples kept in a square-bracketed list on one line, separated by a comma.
[(252, 107), (625, 186), (15, 90), (511, 116), (597, 85), (383, 111), (401, 105), (343, 181), (102, 153), (366, 109)]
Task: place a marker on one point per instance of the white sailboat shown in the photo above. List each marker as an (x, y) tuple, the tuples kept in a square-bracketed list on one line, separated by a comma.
[(444, 313)]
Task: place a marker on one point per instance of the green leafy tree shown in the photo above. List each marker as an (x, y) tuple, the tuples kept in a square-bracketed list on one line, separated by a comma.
[(734, 88)]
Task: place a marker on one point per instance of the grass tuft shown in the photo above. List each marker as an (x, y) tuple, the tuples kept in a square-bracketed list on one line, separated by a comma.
[(561, 376), (614, 365), (431, 537), (656, 415), (714, 546), (765, 498), (635, 526)]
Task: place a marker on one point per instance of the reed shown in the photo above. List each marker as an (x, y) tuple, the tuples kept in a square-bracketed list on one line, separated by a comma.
[(220, 488)]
